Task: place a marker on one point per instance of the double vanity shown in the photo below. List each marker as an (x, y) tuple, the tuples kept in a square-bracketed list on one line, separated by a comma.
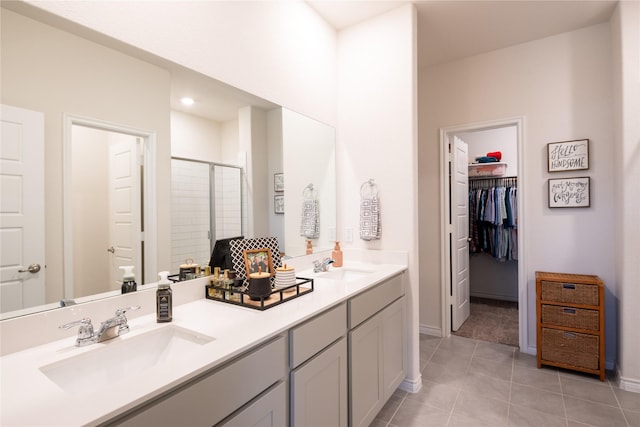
[(331, 357)]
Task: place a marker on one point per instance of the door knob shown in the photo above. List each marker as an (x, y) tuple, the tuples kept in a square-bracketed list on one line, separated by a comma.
[(33, 268)]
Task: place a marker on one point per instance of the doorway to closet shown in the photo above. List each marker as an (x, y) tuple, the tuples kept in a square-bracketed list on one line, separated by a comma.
[(483, 285)]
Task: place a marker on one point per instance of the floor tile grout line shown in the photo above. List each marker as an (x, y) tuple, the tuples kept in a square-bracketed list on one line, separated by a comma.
[(397, 409), (564, 405), (466, 372), (619, 404), (513, 364)]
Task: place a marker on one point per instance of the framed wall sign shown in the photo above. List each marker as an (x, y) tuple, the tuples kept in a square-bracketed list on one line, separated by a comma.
[(569, 192), (278, 182), (568, 155), (278, 204)]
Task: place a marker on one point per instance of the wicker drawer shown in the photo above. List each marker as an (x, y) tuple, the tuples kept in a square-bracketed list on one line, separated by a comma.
[(575, 293), (571, 348), (580, 318)]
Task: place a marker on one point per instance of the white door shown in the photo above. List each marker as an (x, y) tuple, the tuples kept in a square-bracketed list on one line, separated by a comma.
[(125, 206), (459, 211), (22, 265)]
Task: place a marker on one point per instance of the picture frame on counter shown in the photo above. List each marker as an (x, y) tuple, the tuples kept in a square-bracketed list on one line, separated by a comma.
[(568, 155), (278, 204), (258, 260), (570, 192), (278, 182)]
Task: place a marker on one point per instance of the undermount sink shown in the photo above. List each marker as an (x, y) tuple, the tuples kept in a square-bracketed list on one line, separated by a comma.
[(122, 358), (344, 274)]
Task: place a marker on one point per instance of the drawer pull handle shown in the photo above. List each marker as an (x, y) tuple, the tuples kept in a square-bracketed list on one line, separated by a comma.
[(569, 310), (568, 286), (570, 335)]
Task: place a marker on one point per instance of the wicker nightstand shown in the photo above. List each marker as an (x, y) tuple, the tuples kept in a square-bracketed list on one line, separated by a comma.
[(570, 322)]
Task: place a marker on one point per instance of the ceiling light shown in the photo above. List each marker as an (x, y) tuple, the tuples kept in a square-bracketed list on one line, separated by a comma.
[(187, 101)]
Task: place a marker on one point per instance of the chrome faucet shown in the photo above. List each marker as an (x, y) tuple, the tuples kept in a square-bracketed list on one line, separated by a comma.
[(110, 328), (323, 265)]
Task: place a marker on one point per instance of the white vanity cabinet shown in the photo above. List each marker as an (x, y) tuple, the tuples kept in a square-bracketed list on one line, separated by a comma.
[(210, 399), (318, 359), (268, 410), (377, 348)]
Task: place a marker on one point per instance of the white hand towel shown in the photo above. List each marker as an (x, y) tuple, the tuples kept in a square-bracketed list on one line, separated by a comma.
[(310, 223), (370, 222)]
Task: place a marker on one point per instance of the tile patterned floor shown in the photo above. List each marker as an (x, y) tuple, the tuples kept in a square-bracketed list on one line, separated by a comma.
[(475, 383)]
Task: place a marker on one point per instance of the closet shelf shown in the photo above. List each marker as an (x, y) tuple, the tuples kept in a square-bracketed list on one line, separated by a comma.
[(487, 169)]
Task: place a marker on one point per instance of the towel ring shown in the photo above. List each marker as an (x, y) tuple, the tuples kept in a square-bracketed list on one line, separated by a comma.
[(368, 185), (308, 192)]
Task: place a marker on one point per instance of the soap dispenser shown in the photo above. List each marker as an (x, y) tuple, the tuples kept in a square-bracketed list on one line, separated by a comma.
[(128, 280), (336, 255), (164, 299)]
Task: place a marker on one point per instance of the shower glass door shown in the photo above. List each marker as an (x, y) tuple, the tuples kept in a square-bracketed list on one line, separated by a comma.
[(206, 205)]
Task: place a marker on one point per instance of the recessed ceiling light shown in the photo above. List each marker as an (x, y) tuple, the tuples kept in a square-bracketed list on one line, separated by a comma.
[(187, 101)]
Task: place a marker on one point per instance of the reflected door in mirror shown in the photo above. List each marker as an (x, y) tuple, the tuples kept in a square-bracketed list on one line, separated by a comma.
[(21, 209)]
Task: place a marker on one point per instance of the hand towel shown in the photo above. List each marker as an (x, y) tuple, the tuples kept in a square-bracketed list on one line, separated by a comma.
[(370, 223), (310, 223)]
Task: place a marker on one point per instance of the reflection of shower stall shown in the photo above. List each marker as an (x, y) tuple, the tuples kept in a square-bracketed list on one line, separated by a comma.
[(206, 205)]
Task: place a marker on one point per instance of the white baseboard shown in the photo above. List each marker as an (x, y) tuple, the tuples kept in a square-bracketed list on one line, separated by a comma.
[(628, 384), (431, 330), (411, 386)]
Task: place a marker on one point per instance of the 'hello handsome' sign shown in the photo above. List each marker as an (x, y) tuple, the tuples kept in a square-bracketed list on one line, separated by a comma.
[(568, 155)]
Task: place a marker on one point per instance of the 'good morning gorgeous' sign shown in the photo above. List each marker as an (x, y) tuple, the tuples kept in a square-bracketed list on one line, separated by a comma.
[(569, 192), (568, 155)]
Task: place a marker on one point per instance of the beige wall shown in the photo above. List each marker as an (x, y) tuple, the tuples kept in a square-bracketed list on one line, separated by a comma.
[(625, 30), (54, 72), (561, 85), (377, 139), (194, 137)]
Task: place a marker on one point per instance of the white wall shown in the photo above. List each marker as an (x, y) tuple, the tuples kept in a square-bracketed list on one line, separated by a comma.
[(625, 31), (377, 139), (275, 161), (90, 211), (305, 138), (562, 86), (504, 139), (281, 51), (194, 137)]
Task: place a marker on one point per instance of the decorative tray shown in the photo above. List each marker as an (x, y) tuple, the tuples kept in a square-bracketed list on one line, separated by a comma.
[(277, 296)]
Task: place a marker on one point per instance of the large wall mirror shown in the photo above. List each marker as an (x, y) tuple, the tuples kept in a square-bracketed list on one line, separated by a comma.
[(94, 94)]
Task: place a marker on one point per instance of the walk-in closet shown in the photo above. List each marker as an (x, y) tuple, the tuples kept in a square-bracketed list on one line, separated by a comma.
[(493, 235)]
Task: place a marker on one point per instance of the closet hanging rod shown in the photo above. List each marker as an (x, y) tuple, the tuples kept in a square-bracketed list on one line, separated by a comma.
[(487, 182)]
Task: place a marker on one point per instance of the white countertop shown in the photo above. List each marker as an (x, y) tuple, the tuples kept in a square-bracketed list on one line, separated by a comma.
[(29, 398)]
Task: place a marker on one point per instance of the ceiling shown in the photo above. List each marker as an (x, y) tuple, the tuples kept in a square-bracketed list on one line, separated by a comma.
[(454, 29), (447, 30)]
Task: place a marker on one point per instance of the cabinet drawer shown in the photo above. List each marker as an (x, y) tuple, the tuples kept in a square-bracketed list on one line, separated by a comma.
[(269, 410), (580, 318), (575, 293), (372, 301), (317, 333), (571, 348), (213, 397)]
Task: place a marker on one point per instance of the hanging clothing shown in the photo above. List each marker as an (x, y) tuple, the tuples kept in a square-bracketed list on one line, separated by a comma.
[(493, 221)]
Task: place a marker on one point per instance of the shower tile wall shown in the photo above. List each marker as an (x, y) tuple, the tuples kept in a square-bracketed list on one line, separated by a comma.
[(189, 213), (228, 202)]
